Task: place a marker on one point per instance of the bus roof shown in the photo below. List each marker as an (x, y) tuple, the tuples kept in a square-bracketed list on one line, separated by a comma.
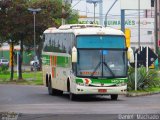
[(85, 29)]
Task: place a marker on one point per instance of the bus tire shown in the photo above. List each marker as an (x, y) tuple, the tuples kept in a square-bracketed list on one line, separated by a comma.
[(114, 97), (50, 90), (68, 86), (71, 95), (47, 80)]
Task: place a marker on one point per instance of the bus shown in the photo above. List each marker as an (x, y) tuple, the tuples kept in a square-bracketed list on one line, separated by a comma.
[(85, 59)]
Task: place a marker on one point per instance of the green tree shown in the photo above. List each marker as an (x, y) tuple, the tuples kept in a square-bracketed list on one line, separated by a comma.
[(16, 22), (10, 26)]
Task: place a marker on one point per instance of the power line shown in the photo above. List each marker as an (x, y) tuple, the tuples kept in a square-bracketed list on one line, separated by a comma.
[(76, 3)]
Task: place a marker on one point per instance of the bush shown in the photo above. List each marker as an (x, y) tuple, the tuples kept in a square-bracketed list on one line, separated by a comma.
[(3, 68), (145, 79)]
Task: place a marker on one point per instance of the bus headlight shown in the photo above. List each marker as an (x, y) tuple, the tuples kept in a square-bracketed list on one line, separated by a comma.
[(121, 84)]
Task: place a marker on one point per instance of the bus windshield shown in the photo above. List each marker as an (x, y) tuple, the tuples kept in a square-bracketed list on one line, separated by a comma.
[(102, 60)]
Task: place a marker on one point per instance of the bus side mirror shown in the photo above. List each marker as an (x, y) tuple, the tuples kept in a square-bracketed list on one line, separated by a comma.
[(130, 55), (74, 54)]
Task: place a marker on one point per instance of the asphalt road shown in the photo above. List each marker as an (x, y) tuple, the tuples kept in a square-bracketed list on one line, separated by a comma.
[(34, 101)]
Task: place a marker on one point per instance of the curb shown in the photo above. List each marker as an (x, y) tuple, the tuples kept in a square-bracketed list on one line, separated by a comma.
[(141, 94)]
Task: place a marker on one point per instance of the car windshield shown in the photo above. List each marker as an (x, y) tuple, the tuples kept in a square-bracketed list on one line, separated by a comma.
[(102, 63), (4, 60)]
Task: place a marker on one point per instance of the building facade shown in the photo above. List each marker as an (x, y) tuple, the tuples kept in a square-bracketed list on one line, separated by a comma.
[(158, 21)]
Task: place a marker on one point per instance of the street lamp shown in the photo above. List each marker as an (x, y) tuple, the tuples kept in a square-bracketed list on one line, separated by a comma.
[(34, 11), (109, 11), (94, 3)]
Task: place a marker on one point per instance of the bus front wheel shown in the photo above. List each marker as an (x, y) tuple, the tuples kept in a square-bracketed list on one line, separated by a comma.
[(114, 97), (71, 95)]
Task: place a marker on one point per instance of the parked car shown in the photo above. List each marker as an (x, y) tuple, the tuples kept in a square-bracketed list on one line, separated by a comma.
[(34, 62), (4, 62), (35, 65)]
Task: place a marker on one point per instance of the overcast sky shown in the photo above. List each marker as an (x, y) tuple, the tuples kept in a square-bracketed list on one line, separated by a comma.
[(88, 9)]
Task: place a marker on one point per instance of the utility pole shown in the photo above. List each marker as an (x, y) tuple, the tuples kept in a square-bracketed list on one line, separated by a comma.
[(156, 27), (94, 3), (101, 12), (123, 20), (94, 11), (109, 11), (139, 24), (63, 12), (34, 11)]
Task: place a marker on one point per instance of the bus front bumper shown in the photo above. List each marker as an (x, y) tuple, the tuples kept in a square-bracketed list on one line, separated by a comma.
[(100, 90)]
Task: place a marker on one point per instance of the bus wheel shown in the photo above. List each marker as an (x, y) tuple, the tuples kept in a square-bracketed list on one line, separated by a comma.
[(71, 95), (114, 97), (50, 90)]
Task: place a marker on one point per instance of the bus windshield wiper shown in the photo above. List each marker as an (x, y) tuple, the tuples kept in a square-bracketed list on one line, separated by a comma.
[(109, 69), (105, 64), (96, 68)]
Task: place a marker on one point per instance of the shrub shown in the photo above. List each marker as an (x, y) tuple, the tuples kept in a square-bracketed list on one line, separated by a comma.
[(3, 68), (144, 79)]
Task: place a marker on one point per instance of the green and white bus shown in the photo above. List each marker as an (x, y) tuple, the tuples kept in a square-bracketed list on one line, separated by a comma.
[(85, 60)]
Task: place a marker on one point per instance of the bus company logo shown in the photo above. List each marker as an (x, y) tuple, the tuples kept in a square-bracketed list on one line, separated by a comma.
[(102, 84)]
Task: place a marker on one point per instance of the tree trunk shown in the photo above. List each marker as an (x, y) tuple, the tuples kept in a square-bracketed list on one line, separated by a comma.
[(39, 53), (11, 61), (20, 61)]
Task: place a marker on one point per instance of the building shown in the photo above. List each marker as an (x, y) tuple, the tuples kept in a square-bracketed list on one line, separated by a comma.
[(4, 53), (158, 21), (147, 25)]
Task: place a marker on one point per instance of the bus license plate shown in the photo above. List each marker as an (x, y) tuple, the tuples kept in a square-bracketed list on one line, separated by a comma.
[(102, 90)]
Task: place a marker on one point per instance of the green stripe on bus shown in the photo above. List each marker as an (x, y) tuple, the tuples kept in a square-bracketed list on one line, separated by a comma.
[(79, 80), (104, 81), (63, 61), (45, 59)]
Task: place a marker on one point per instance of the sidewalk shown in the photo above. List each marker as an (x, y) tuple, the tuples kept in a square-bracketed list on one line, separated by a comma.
[(141, 94)]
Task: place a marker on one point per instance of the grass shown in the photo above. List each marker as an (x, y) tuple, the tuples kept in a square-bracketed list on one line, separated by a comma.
[(32, 78), (29, 78), (155, 89)]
